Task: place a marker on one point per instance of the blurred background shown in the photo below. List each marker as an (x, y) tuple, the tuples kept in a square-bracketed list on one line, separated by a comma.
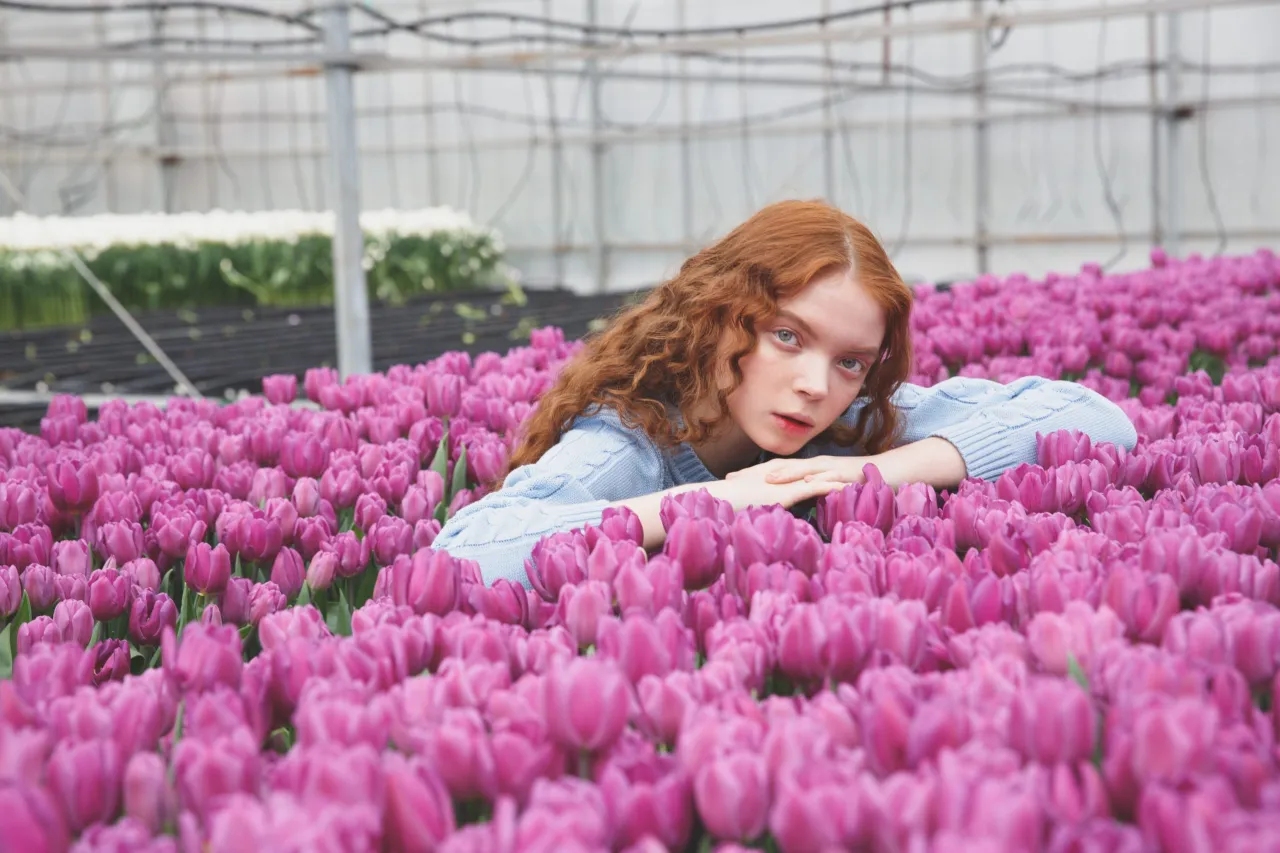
[(468, 171)]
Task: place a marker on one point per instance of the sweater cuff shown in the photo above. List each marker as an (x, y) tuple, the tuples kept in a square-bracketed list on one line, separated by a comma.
[(985, 446), (588, 513)]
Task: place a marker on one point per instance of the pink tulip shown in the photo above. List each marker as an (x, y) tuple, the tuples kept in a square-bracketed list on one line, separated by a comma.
[(149, 615), (557, 560), (697, 546), (643, 646), (31, 820), (206, 771), (587, 704), (147, 795), (419, 814), (1052, 721), (207, 569), (280, 389), (73, 484), (648, 795), (206, 657), (38, 582), (85, 779), (732, 796), (429, 581), (75, 620)]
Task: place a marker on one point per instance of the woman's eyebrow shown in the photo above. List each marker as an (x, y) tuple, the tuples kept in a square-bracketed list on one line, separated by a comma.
[(795, 320)]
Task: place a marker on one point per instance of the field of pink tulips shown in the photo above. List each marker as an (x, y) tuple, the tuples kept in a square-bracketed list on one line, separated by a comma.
[(227, 629)]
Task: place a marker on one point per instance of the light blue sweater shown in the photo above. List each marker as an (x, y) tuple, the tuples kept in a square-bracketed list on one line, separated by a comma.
[(598, 460)]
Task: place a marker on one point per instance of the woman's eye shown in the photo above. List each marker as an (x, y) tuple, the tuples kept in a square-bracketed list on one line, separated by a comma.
[(852, 365), (780, 333)]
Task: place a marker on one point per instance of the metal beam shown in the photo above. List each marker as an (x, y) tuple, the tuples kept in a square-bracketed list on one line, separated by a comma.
[(530, 59), (350, 299), (981, 147), (599, 230), (1173, 136)]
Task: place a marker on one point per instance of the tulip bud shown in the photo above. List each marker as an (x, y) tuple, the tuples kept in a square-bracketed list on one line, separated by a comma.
[(18, 505), (303, 455), (1053, 721), (802, 645), (648, 795), (38, 582), (207, 656), (108, 592), (72, 557), (10, 591), (148, 797), (321, 570), (287, 572), (429, 581), (72, 484), (587, 703), (697, 545), (265, 599), (557, 560), (111, 661), (419, 812), (30, 819), (370, 507), (207, 569), (40, 630), (732, 796), (280, 389), (207, 771), (581, 608), (390, 538), (142, 573), (150, 613), (84, 778), (75, 621)]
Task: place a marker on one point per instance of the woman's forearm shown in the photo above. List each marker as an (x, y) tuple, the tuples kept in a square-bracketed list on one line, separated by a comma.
[(934, 461)]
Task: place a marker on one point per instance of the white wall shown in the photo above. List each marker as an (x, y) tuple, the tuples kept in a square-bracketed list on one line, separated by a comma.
[(912, 180)]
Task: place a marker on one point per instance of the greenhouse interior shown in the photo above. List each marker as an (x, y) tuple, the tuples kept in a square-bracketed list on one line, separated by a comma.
[(534, 426)]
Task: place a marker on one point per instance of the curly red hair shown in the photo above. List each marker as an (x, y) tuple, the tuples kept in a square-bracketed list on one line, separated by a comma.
[(664, 351)]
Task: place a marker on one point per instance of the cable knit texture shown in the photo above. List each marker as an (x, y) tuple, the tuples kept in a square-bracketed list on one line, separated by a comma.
[(599, 460)]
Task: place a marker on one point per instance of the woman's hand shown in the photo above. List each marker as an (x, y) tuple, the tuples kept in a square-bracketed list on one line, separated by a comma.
[(757, 486), (842, 470), (934, 461)]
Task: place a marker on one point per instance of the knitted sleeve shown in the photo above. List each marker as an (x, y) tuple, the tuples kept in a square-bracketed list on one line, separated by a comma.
[(596, 462), (994, 425)]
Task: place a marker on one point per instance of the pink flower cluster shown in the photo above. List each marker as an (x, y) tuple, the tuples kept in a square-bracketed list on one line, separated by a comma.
[(227, 628)]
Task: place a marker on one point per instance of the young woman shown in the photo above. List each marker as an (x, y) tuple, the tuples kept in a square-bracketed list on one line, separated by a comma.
[(770, 370)]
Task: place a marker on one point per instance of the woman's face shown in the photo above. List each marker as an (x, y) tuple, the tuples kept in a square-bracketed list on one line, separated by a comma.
[(809, 363)]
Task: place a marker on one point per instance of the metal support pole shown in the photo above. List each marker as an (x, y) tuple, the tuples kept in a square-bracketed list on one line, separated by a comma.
[(600, 252), (1173, 134), (435, 192), (828, 137), (558, 237), (350, 300), (1153, 86), (686, 146), (165, 137), (981, 148), (104, 96)]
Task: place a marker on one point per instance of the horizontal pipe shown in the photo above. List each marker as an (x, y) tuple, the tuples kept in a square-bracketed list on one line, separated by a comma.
[(124, 149), (932, 241)]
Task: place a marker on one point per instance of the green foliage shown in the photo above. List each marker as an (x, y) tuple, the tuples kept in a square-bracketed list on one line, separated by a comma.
[(41, 288)]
